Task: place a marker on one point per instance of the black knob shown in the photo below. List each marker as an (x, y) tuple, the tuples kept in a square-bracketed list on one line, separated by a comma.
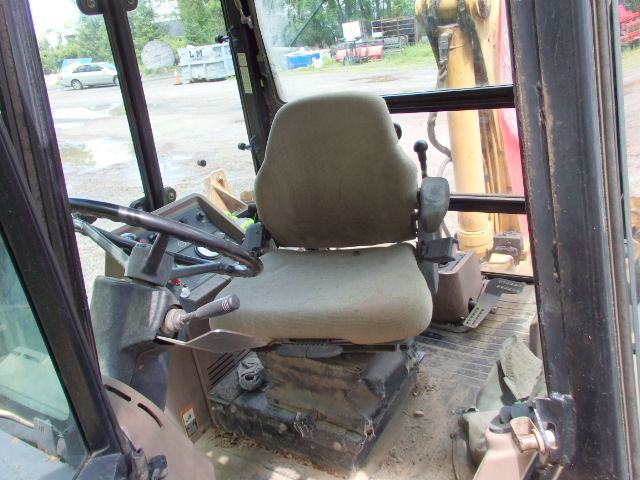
[(201, 163), (420, 147), (398, 128), (244, 146), (222, 38)]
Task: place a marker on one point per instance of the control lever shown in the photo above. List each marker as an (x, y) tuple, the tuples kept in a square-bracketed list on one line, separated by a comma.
[(177, 318), (398, 129), (420, 147)]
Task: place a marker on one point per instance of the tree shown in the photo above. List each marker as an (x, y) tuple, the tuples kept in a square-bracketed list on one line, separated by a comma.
[(144, 25), (632, 4), (290, 16), (92, 40), (201, 20)]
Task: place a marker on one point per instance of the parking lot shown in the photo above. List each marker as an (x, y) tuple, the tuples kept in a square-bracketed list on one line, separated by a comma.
[(190, 122)]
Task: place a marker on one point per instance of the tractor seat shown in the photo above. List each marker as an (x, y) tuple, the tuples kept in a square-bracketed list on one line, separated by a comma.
[(365, 296), (335, 185)]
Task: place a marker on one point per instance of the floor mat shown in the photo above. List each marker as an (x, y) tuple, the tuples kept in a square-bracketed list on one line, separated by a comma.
[(452, 373), (468, 357)]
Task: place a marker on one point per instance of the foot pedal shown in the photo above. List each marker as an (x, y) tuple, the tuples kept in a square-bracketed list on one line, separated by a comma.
[(489, 299)]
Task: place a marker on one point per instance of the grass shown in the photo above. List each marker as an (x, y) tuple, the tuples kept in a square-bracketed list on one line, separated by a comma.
[(419, 54), (630, 58)]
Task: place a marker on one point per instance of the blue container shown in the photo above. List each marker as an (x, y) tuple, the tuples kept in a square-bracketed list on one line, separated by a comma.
[(301, 60)]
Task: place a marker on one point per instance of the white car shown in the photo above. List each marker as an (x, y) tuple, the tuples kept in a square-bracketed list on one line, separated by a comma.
[(89, 74)]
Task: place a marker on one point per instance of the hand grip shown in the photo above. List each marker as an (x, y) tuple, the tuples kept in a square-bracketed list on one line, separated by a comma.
[(213, 309), (176, 318)]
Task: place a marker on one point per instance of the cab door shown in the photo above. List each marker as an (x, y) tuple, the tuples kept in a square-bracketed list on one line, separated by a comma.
[(55, 417)]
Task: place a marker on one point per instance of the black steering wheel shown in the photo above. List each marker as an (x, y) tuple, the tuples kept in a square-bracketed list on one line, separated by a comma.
[(165, 227)]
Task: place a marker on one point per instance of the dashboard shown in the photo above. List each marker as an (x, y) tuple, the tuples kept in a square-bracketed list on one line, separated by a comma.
[(194, 210)]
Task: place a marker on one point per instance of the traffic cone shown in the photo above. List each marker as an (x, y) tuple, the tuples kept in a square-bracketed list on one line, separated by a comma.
[(176, 78)]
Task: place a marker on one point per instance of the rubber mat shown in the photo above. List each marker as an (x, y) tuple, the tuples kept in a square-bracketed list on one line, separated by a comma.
[(469, 356)]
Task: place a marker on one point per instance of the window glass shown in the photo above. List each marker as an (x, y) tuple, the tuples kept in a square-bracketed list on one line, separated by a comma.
[(481, 155), (192, 96), (34, 410), (629, 21), (88, 113), (507, 248), (629, 15), (384, 47)]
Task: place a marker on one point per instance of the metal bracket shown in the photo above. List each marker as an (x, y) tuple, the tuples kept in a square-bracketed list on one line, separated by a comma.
[(169, 195), (154, 469), (254, 239), (218, 341), (305, 423), (526, 435), (489, 299), (94, 7), (46, 437), (555, 417), (551, 431)]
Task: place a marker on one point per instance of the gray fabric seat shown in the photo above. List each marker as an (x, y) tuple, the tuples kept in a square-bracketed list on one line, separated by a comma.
[(334, 176), (365, 296)]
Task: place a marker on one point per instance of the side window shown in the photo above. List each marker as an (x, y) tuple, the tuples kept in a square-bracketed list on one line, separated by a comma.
[(39, 437)]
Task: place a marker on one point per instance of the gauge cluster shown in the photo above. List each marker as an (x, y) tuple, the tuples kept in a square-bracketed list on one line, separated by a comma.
[(195, 211)]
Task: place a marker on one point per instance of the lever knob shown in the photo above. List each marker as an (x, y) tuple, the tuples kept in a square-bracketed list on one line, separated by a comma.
[(420, 147)]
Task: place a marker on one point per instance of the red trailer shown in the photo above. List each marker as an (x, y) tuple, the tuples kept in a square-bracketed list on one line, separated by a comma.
[(629, 24)]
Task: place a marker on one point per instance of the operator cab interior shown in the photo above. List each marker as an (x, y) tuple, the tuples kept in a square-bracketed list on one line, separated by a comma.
[(350, 292)]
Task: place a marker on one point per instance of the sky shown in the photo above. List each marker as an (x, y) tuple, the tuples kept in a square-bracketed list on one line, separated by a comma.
[(53, 14), (59, 14)]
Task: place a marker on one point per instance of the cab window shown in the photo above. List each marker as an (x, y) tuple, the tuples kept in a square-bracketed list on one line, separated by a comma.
[(36, 421)]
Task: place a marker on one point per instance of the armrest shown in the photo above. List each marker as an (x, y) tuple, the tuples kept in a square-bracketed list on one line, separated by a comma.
[(434, 202)]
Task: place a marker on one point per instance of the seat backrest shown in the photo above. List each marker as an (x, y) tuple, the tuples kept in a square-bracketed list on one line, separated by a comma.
[(335, 176)]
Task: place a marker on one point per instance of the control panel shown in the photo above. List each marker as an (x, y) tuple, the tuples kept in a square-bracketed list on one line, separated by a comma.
[(194, 210)]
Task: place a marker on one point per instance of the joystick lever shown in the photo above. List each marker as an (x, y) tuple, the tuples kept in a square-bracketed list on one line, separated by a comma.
[(420, 147)]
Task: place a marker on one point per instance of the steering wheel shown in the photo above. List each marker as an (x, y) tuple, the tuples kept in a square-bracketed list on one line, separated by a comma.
[(152, 262)]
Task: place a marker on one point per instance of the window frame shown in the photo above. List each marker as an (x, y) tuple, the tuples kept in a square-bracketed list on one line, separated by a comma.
[(49, 297)]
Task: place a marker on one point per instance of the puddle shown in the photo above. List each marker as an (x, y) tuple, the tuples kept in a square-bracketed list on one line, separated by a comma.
[(100, 153), (81, 113), (377, 79), (68, 125)]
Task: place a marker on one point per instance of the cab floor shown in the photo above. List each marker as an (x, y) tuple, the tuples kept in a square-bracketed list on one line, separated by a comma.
[(421, 440)]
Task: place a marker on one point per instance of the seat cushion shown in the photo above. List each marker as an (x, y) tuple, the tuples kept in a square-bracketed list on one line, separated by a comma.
[(365, 296)]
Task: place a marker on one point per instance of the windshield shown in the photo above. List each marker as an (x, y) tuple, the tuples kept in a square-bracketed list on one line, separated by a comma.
[(196, 113), (386, 47)]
